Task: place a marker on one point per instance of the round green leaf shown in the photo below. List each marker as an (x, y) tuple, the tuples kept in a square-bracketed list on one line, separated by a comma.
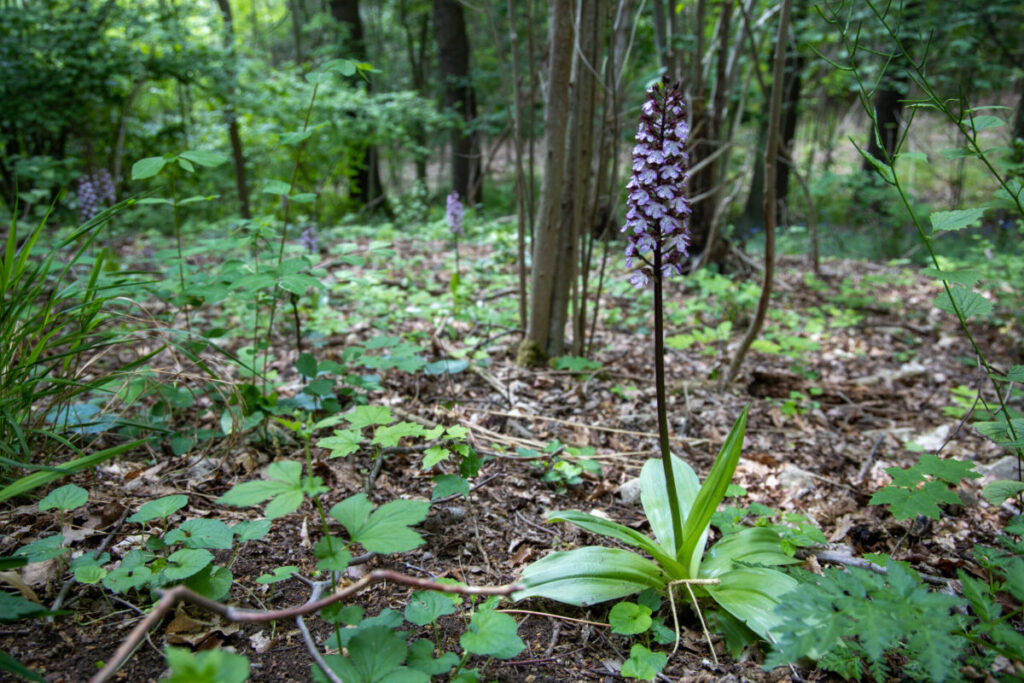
[(186, 562), (629, 618), (492, 633), (66, 497)]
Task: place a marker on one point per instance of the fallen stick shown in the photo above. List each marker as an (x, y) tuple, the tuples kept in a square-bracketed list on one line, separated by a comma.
[(173, 596)]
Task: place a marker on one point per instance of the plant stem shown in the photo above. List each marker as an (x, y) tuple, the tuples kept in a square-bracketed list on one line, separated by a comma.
[(181, 258), (659, 384)]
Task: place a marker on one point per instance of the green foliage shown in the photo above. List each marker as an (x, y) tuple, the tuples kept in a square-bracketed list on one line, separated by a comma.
[(47, 330), (853, 622), (919, 490), (285, 485), (643, 664), (209, 666)]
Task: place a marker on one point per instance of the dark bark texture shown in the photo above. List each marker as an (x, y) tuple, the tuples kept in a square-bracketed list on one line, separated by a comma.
[(453, 57)]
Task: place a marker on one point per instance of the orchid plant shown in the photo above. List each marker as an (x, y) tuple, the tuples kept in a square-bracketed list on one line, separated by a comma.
[(736, 572), (454, 213)]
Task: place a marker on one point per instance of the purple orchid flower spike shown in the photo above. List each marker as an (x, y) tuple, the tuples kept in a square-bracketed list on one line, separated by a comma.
[(657, 210), (455, 213)]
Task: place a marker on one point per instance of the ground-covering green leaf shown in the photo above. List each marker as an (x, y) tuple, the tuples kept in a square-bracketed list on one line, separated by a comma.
[(201, 533), (183, 563), (284, 484), (67, 497), (279, 574), (872, 615), (208, 666), (386, 529), (421, 658), (343, 443), (425, 607), (251, 530), (643, 664), (493, 634), (629, 618), (211, 582), (43, 549)]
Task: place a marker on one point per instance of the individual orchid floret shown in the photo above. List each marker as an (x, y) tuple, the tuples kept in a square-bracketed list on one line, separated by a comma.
[(657, 211), (455, 213)]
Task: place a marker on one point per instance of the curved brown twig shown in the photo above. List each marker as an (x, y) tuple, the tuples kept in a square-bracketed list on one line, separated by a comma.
[(177, 594)]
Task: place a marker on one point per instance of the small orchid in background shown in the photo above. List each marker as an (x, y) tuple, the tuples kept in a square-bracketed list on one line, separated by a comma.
[(455, 214), (309, 241), (657, 210), (94, 189)]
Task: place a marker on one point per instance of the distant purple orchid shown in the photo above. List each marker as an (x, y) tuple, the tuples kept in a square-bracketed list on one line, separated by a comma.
[(94, 189), (455, 213), (308, 239), (657, 210)]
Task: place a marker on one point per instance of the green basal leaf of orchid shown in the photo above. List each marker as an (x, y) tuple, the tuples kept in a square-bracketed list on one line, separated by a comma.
[(751, 594), (655, 502), (752, 546), (622, 533), (587, 576), (695, 526)]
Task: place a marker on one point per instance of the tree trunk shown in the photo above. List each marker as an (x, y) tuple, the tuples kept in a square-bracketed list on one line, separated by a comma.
[(453, 57), (367, 188), (237, 154), (546, 241)]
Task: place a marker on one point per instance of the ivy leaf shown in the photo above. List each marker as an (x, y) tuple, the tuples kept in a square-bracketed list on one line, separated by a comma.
[(492, 634), (159, 508), (389, 436), (629, 619), (374, 654), (186, 562), (643, 664), (907, 503), (445, 367), (368, 416), (343, 443), (1015, 374), (65, 498)]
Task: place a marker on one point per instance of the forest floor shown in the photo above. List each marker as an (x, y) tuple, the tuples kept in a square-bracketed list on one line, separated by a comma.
[(874, 367)]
